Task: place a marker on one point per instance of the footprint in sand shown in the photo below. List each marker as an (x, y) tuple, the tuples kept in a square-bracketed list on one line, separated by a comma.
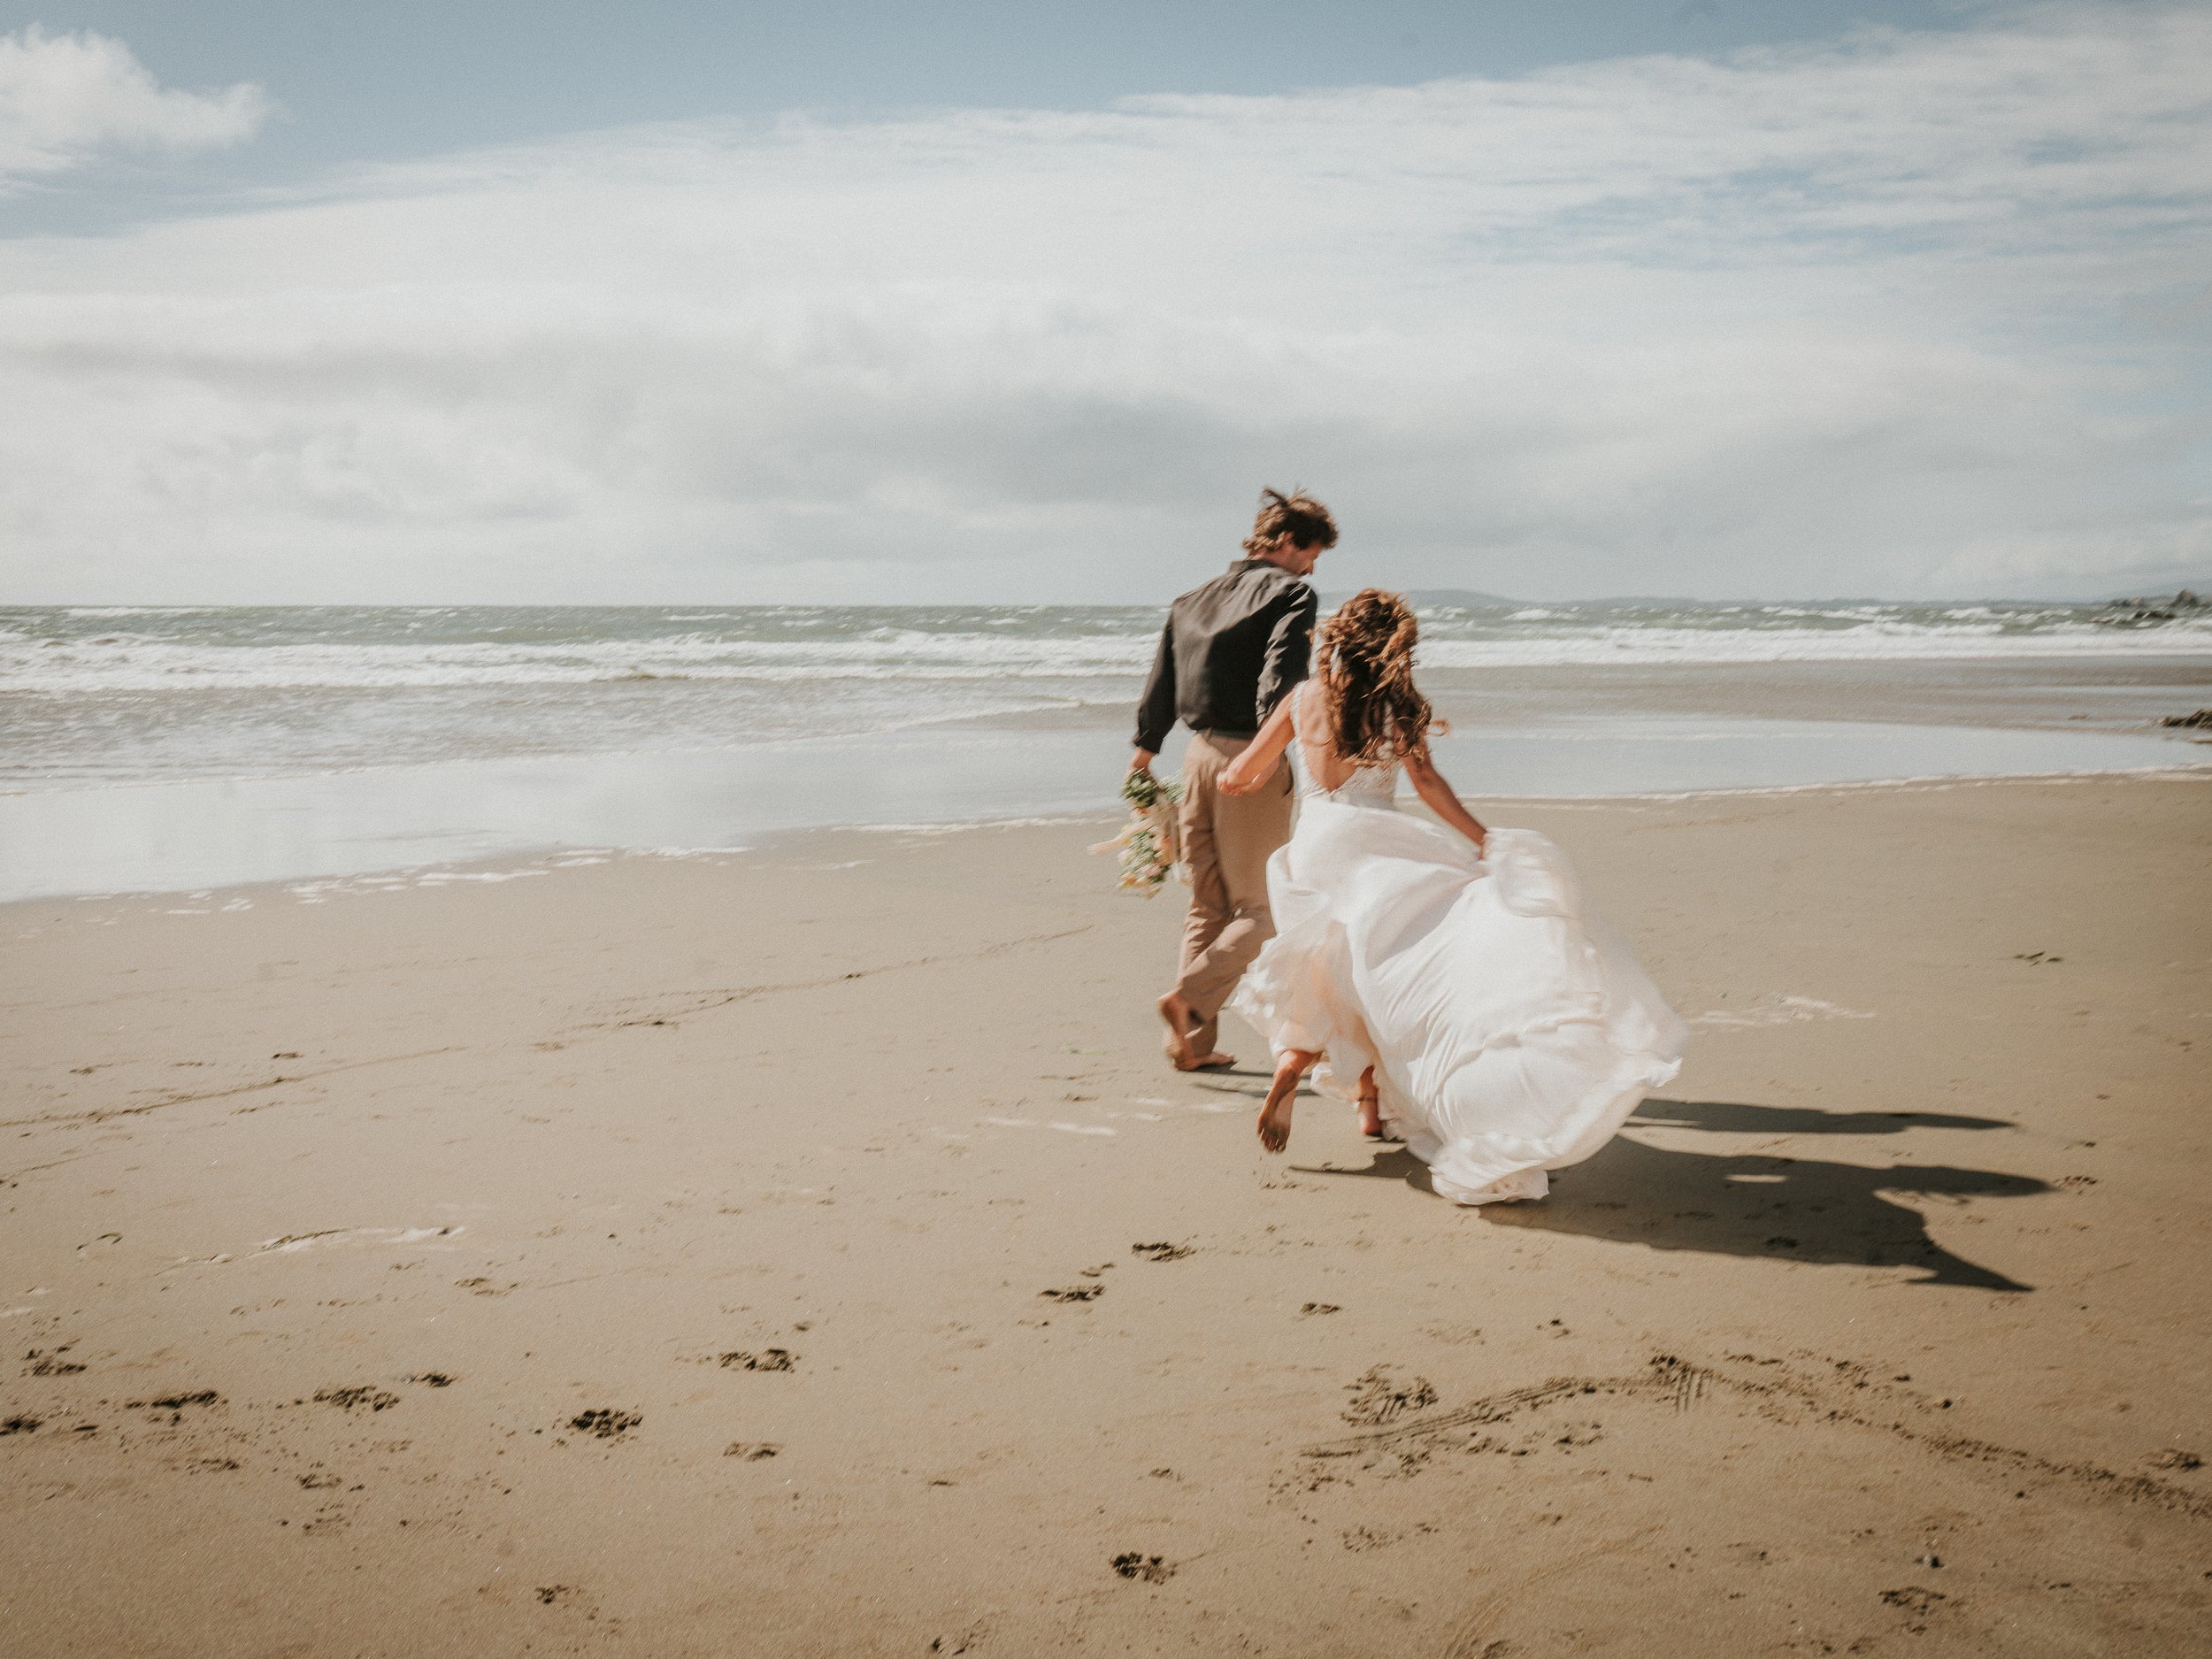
[(605, 1422), (767, 1359), (290, 1243), (175, 1404), (1147, 1569), (1378, 1398), (360, 1394)]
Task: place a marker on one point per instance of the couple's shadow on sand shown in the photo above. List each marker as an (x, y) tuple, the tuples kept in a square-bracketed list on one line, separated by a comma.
[(1752, 1203)]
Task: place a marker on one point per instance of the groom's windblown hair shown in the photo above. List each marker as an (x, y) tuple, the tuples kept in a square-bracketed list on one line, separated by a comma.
[(1306, 519)]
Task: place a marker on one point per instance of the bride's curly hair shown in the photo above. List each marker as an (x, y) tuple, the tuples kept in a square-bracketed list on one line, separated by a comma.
[(1366, 666)]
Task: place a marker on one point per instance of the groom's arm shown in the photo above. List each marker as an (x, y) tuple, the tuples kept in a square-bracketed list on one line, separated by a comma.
[(1155, 709), (1289, 649)]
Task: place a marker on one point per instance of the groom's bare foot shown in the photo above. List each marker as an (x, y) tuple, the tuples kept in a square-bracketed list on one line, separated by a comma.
[(1182, 1022), (1274, 1125)]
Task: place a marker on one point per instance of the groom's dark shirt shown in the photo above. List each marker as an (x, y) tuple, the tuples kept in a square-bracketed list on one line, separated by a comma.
[(1231, 650)]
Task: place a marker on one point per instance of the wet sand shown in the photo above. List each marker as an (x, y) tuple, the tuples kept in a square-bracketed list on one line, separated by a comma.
[(807, 1252)]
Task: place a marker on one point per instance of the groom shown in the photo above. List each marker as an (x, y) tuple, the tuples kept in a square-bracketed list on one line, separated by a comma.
[(1232, 649)]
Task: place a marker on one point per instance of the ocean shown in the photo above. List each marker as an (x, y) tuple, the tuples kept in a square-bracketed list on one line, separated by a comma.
[(165, 748)]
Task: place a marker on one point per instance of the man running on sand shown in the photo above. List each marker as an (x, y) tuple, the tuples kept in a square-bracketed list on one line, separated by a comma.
[(1232, 649)]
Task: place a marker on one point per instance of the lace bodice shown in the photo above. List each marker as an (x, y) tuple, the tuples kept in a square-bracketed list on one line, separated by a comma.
[(1368, 785)]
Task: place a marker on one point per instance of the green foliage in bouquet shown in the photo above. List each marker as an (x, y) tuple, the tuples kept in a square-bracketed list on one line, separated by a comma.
[(1144, 792), (1147, 847)]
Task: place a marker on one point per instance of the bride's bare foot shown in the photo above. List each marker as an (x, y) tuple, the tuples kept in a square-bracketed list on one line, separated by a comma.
[(1370, 1123), (1274, 1124)]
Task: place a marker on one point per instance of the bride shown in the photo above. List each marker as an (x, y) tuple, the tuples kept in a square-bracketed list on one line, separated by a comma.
[(1487, 1014)]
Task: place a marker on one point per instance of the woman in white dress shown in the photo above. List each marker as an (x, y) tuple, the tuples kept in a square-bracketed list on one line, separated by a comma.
[(1452, 980)]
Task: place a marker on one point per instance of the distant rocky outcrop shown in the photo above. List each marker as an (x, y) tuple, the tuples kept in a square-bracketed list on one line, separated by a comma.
[(2135, 613), (1432, 598), (2202, 717), (1456, 596)]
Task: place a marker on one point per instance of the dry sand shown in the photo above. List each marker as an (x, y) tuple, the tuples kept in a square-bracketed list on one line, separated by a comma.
[(808, 1253)]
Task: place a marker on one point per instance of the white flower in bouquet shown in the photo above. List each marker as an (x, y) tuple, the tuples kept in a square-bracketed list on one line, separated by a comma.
[(1148, 845)]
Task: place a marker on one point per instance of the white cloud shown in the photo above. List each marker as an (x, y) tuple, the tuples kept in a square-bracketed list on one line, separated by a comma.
[(1900, 314), (65, 98)]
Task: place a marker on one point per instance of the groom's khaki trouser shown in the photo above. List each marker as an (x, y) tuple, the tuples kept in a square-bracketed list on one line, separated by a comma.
[(1226, 842)]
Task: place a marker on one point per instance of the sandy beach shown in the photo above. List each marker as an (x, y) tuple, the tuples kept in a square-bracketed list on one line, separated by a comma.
[(579, 593), (808, 1252)]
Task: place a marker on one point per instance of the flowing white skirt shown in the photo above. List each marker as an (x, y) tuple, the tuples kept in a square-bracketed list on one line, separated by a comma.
[(1510, 1029)]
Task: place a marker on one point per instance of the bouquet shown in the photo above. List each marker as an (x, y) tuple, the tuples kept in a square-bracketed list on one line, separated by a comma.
[(1148, 845)]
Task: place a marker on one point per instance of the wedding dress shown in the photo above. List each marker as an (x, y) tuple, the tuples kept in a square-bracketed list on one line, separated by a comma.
[(1510, 1029)]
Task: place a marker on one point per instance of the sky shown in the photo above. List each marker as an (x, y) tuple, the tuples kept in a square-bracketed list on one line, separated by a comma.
[(668, 303)]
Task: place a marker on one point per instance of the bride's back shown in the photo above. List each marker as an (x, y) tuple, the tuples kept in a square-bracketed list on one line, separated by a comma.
[(1322, 768), (1361, 713)]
